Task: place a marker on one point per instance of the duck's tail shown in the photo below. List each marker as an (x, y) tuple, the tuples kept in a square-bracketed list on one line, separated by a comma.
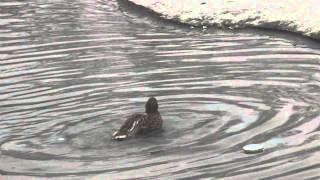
[(119, 136)]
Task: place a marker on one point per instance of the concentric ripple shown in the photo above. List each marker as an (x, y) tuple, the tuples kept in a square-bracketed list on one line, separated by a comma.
[(70, 73)]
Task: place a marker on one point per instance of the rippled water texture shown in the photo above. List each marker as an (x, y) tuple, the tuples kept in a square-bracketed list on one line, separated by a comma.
[(71, 71)]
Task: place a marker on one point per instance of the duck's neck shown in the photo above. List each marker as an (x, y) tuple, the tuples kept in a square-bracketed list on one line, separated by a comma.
[(153, 113)]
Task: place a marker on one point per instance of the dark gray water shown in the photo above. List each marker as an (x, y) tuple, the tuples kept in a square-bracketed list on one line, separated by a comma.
[(71, 71)]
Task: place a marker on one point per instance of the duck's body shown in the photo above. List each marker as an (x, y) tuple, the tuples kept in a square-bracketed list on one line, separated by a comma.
[(139, 124)]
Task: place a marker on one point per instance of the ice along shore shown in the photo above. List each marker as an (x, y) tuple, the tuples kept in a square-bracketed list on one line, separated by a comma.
[(299, 16)]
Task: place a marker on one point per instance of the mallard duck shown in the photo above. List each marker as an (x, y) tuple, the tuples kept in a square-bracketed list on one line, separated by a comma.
[(141, 123)]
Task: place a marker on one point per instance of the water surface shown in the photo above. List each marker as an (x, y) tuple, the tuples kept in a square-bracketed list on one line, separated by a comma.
[(70, 72)]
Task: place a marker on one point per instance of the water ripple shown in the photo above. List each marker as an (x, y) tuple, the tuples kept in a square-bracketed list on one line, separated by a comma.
[(71, 72)]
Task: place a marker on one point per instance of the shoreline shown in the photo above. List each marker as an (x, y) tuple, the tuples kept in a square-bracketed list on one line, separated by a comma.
[(281, 15)]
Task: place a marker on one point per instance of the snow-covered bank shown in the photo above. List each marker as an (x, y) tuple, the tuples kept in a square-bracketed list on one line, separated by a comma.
[(301, 16)]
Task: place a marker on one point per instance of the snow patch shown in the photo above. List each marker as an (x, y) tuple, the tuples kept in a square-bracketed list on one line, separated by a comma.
[(300, 16)]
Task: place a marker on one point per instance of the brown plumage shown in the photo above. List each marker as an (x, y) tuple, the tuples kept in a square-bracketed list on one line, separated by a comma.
[(139, 124)]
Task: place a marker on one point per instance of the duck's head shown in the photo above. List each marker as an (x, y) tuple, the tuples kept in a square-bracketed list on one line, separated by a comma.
[(151, 105)]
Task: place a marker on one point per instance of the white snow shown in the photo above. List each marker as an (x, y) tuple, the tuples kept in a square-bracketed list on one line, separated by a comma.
[(301, 16)]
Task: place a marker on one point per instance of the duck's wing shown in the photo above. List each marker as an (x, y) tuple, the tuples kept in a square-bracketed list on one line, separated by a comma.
[(130, 128), (136, 126)]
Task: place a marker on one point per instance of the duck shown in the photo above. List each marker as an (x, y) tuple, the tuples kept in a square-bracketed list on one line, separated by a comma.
[(141, 123)]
